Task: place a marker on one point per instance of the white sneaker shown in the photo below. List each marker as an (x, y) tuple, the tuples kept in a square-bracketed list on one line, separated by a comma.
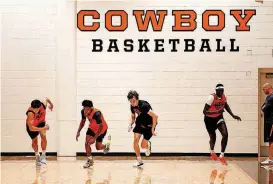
[(138, 164), (88, 164), (43, 159), (108, 144), (148, 150), (38, 161), (267, 161)]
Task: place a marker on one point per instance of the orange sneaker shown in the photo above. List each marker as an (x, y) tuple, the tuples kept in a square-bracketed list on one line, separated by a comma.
[(213, 156), (222, 159)]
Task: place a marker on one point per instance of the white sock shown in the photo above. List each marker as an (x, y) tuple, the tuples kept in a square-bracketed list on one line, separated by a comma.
[(89, 158), (44, 153), (222, 154), (37, 154), (139, 159), (212, 151)]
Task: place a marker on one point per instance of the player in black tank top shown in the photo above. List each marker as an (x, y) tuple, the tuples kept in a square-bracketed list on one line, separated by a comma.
[(145, 124)]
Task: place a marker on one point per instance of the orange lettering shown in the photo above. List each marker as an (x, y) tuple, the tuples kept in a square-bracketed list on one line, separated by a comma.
[(150, 16), (109, 24), (179, 20), (221, 20), (243, 21), (80, 20)]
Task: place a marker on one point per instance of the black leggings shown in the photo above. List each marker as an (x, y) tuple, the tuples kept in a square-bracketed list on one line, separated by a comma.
[(224, 132)]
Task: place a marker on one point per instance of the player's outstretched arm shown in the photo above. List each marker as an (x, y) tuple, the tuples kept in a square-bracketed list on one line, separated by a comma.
[(48, 101), (227, 107)]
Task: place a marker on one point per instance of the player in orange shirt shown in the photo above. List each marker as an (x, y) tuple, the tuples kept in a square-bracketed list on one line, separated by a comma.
[(214, 119), (35, 125), (96, 131)]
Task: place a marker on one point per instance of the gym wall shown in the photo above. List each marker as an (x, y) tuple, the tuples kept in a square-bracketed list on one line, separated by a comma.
[(44, 54)]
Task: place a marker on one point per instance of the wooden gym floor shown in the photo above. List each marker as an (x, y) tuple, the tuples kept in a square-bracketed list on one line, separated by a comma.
[(119, 170)]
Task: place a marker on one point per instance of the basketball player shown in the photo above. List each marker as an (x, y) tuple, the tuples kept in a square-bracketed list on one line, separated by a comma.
[(96, 131), (267, 109), (145, 124), (35, 125), (214, 119)]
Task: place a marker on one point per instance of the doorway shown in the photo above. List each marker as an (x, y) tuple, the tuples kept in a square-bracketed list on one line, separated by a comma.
[(265, 75)]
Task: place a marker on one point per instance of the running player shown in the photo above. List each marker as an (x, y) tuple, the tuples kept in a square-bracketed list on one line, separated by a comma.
[(35, 125), (145, 124), (214, 119), (267, 109), (96, 131)]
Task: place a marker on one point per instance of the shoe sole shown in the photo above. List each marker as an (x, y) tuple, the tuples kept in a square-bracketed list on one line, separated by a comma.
[(267, 164), (138, 165)]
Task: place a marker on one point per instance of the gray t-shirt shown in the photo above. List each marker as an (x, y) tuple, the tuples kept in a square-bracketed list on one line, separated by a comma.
[(267, 108)]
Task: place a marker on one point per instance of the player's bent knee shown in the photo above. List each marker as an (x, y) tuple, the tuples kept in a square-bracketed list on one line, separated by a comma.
[(99, 146), (144, 144)]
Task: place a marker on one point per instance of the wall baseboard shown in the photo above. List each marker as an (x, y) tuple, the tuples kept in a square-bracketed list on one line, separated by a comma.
[(170, 154), (133, 154), (26, 153)]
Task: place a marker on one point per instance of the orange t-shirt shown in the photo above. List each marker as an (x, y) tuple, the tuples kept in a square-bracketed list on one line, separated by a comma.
[(217, 104), (93, 124), (38, 117)]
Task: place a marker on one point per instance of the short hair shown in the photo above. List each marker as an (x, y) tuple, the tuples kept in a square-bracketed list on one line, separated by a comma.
[(267, 84), (87, 103), (36, 104), (132, 94)]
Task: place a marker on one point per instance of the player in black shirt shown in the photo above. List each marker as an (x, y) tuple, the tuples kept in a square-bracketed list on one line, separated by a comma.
[(145, 124), (267, 109)]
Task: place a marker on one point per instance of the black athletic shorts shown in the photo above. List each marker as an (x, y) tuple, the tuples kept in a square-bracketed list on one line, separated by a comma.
[(99, 138), (34, 134), (267, 129), (212, 123), (144, 123)]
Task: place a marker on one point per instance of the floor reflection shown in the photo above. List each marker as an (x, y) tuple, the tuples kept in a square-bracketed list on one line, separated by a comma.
[(218, 176), (122, 172), (266, 174)]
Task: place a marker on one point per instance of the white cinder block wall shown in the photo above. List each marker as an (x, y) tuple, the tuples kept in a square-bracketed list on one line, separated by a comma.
[(176, 84), (35, 47), (28, 60)]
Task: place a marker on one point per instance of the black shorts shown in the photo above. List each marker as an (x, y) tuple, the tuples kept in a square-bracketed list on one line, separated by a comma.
[(144, 120), (144, 123), (267, 130), (212, 123), (34, 134), (146, 132), (99, 138)]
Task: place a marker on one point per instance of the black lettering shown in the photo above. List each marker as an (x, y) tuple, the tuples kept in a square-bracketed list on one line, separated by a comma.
[(233, 49), (128, 43), (189, 43), (113, 45), (173, 42), (97, 45), (219, 49), (141, 45), (205, 44), (157, 45)]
